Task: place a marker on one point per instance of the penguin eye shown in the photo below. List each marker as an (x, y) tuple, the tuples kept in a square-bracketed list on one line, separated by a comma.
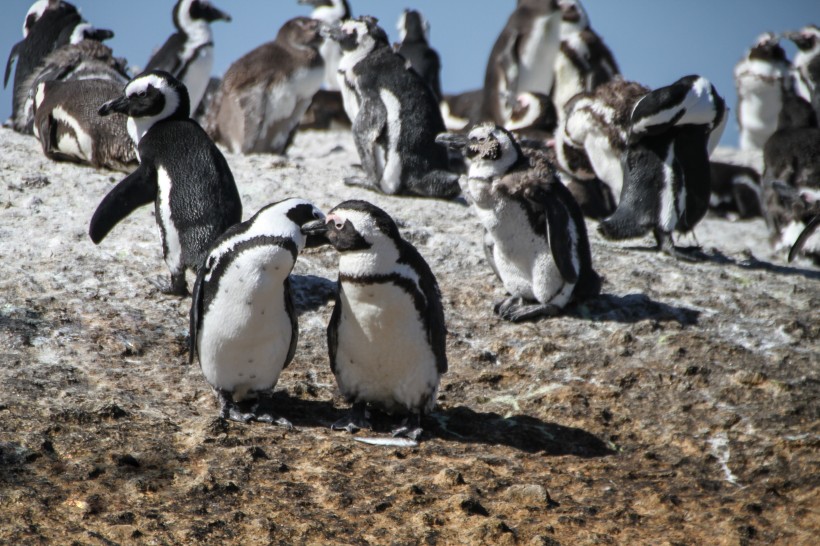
[(339, 225)]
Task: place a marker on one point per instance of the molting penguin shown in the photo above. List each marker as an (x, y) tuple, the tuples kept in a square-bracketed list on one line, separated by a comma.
[(180, 170), (522, 58), (52, 29), (759, 79), (666, 166), (243, 323), (67, 124), (537, 242), (806, 65), (414, 33), (592, 134), (386, 336), (188, 54), (264, 93), (583, 61), (395, 116), (330, 12)]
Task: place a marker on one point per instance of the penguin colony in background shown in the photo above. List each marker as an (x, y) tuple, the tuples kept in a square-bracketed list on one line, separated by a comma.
[(555, 133)]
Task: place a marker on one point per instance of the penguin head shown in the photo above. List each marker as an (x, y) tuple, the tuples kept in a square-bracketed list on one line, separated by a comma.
[(151, 97), (287, 218), (85, 31), (188, 13), (361, 35), (767, 48), (355, 226), (413, 27), (33, 15), (301, 32), (491, 149), (328, 11), (574, 17), (806, 38)]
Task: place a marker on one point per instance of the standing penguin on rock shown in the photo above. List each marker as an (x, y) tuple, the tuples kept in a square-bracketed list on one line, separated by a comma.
[(188, 54), (666, 166), (395, 116), (414, 32), (386, 337), (265, 92), (243, 323), (537, 240), (180, 170)]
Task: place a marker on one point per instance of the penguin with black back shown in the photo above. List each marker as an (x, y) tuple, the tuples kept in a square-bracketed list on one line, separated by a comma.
[(414, 45), (536, 240), (243, 324), (666, 166), (188, 53), (386, 337), (395, 116), (181, 171)]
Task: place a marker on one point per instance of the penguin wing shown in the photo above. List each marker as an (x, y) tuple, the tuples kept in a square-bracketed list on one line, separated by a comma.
[(294, 324), (197, 298), (137, 189), (12, 56), (333, 328), (558, 222), (167, 58)]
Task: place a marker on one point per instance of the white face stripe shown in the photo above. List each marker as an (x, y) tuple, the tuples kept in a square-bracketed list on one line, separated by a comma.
[(37, 8), (141, 125), (78, 35)]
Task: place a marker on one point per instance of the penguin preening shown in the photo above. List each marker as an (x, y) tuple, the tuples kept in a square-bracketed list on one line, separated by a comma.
[(243, 324), (522, 58), (537, 241), (395, 116), (188, 53), (759, 79), (386, 337), (330, 12), (414, 45), (666, 165), (180, 170), (264, 93)]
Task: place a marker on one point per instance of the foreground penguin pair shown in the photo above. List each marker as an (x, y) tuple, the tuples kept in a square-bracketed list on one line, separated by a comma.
[(386, 336)]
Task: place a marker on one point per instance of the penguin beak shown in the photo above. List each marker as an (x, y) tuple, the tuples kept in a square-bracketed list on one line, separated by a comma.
[(101, 34), (453, 141), (315, 232), (119, 105), (211, 14)]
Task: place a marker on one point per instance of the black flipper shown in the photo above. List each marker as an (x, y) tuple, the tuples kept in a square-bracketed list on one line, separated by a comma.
[(294, 323), (558, 220), (9, 62), (803, 237), (196, 312), (137, 189)]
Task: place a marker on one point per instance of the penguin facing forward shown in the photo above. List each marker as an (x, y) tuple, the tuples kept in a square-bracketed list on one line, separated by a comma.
[(759, 80), (667, 180), (537, 244), (330, 12), (69, 128), (51, 30), (180, 170), (592, 134), (522, 58), (386, 336), (188, 54), (243, 324), (265, 92), (806, 64), (414, 45), (583, 61), (394, 114)]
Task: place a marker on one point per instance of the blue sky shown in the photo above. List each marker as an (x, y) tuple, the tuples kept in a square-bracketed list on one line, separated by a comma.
[(654, 41)]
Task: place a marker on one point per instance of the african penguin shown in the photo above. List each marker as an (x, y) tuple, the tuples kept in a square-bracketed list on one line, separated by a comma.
[(330, 12), (51, 30), (522, 58), (806, 64), (180, 170), (395, 116), (66, 122), (583, 61), (666, 165), (414, 45), (266, 91), (735, 190), (86, 59), (386, 336), (243, 324), (533, 117), (188, 54), (458, 110), (34, 13), (538, 245), (592, 134), (759, 80)]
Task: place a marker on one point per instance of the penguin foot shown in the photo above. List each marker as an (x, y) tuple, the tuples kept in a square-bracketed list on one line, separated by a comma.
[(410, 427), (667, 246), (177, 286), (357, 419), (230, 410), (263, 413), (359, 182), (515, 309)]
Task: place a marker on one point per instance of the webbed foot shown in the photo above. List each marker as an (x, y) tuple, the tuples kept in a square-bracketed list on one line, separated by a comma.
[(410, 427), (356, 419), (516, 309)]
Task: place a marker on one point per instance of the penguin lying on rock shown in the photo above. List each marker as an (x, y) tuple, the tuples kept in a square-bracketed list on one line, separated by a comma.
[(386, 336), (181, 170), (243, 325), (537, 240)]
